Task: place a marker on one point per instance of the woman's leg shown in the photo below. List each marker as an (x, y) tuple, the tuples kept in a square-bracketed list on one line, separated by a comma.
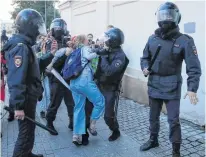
[(79, 113), (95, 96), (47, 92)]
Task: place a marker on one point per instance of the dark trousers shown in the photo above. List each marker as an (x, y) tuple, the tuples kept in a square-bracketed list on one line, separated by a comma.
[(25, 140), (12, 107), (58, 92), (173, 110), (111, 106)]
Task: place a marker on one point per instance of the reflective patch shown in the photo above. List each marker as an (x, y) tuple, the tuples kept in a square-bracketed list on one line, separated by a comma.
[(176, 45), (118, 63), (18, 61)]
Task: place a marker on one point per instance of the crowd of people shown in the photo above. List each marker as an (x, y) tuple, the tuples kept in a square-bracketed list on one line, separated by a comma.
[(93, 72), (96, 70)]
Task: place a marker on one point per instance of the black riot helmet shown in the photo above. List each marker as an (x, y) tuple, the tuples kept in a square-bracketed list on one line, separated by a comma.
[(30, 23), (168, 15), (58, 28), (114, 38), (3, 32)]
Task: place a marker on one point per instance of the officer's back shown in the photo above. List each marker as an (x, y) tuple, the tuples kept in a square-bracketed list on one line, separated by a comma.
[(24, 77)]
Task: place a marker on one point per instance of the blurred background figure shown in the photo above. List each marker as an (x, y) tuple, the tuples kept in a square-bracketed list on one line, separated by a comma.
[(4, 70), (44, 77), (99, 43), (90, 39), (4, 38)]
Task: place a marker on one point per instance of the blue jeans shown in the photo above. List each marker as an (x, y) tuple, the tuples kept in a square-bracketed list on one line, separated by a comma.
[(46, 95), (84, 87)]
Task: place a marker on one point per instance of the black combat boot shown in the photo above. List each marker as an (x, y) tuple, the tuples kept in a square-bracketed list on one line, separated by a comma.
[(10, 117), (151, 143), (85, 139), (51, 126), (70, 123), (115, 135), (176, 150), (35, 155)]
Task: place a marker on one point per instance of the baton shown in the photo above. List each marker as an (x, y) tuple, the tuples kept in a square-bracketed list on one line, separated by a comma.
[(33, 121), (59, 77), (154, 58)]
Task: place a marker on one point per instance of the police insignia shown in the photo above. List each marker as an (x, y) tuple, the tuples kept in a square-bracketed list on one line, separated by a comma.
[(18, 61)]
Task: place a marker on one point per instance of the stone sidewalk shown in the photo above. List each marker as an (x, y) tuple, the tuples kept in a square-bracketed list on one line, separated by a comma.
[(133, 119)]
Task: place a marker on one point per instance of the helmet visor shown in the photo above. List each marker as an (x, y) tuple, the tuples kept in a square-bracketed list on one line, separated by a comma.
[(167, 15), (105, 37), (39, 22), (55, 24)]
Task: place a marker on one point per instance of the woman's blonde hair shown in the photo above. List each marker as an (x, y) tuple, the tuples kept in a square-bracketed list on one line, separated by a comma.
[(80, 39)]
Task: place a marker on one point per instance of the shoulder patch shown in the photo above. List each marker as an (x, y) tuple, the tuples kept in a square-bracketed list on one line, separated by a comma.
[(118, 63), (18, 61)]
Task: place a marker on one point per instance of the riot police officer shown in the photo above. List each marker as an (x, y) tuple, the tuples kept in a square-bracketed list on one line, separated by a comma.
[(24, 76), (164, 83), (58, 30), (110, 70)]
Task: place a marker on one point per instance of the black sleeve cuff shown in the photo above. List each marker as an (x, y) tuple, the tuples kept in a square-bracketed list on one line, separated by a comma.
[(19, 107), (191, 89)]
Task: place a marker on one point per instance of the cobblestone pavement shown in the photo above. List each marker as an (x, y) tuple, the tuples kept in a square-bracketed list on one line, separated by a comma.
[(133, 119)]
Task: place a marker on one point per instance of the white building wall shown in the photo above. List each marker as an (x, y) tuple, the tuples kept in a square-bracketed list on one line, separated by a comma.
[(194, 12), (137, 20)]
